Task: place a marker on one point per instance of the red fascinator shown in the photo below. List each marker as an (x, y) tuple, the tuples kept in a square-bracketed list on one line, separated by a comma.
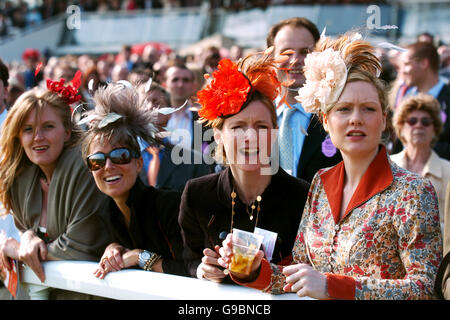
[(233, 85), (226, 93), (68, 93)]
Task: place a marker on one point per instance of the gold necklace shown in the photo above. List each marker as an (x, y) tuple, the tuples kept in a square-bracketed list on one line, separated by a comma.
[(258, 209)]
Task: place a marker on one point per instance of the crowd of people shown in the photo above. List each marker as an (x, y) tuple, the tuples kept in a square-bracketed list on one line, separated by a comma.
[(19, 15), (148, 159)]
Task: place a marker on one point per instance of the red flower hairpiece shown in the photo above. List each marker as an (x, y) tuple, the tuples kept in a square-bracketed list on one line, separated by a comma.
[(226, 93), (68, 93)]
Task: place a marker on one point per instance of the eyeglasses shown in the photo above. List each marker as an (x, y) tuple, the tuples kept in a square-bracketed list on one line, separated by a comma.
[(97, 160), (424, 121)]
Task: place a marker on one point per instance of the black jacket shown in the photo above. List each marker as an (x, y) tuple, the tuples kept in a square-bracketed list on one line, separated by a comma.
[(442, 147), (312, 158), (153, 225), (205, 212)]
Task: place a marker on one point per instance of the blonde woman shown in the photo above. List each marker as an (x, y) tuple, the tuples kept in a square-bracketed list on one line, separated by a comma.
[(45, 184), (370, 229)]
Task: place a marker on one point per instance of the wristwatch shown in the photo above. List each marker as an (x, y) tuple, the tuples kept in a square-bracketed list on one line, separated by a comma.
[(144, 255)]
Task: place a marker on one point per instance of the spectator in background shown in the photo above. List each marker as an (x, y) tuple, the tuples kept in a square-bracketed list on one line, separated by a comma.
[(211, 58), (4, 77), (304, 146), (104, 68), (235, 53), (125, 57), (119, 72), (425, 37), (444, 57), (31, 59), (179, 84), (160, 169), (420, 72), (418, 124), (3, 25), (150, 56)]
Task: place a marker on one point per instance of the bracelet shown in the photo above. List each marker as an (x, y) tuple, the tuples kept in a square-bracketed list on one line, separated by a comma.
[(148, 266)]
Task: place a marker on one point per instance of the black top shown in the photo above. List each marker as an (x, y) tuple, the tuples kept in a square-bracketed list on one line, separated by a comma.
[(153, 225), (205, 212), (312, 158), (442, 146)]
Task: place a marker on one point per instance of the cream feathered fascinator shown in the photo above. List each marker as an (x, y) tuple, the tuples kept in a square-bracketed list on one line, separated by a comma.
[(327, 68)]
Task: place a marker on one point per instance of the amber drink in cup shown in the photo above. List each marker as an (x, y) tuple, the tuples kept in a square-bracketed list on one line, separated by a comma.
[(245, 247)]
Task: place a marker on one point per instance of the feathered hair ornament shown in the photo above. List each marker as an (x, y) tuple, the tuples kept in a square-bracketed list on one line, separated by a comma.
[(327, 68), (233, 84), (120, 106), (68, 93)]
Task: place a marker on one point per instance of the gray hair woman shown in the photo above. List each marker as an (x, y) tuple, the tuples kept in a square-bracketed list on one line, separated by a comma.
[(418, 124)]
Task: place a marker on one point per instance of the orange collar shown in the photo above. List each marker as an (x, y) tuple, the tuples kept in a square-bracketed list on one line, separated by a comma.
[(377, 177)]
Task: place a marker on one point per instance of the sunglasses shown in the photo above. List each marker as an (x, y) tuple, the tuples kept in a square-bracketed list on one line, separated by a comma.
[(424, 121), (97, 160)]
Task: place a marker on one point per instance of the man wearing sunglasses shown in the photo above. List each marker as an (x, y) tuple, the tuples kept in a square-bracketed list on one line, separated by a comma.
[(421, 73)]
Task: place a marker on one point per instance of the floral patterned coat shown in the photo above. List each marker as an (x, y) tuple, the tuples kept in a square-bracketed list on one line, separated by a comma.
[(388, 244)]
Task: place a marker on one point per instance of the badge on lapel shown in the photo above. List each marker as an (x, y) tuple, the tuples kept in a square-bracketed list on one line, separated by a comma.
[(328, 148)]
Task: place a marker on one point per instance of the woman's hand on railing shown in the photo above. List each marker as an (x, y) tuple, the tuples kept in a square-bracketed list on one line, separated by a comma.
[(32, 251), (9, 249), (111, 260)]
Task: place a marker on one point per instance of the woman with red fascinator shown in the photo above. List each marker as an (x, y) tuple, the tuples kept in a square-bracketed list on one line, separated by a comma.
[(45, 184), (252, 192)]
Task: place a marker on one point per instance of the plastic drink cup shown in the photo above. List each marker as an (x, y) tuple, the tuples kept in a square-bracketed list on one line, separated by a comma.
[(245, 247)]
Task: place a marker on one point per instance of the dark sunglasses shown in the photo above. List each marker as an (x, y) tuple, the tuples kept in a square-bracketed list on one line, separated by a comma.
[(97, 160), (424, 121)]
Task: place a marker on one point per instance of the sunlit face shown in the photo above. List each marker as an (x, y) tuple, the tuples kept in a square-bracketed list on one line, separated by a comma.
[(43, 139), (179, 83), (247, 137), (301, 41), (356, 122), (115, 180), (418, 134), (412, 68)]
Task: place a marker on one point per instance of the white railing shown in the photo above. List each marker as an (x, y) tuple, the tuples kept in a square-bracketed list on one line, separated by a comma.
[(133, 284)]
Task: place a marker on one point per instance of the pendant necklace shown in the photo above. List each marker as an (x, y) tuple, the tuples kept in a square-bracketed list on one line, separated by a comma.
[(252, 206)]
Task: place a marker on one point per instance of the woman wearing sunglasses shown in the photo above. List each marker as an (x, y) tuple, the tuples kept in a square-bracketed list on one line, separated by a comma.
[(143, 220), (418, 124), (370, 229), (45, 183), (253, 191)]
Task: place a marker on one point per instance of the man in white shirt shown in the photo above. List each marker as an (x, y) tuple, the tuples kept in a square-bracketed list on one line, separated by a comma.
[(179, 82), (304, 145)]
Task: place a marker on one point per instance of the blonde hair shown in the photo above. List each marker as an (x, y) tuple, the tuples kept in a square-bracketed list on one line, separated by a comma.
[(14, 159), (420, 102)]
